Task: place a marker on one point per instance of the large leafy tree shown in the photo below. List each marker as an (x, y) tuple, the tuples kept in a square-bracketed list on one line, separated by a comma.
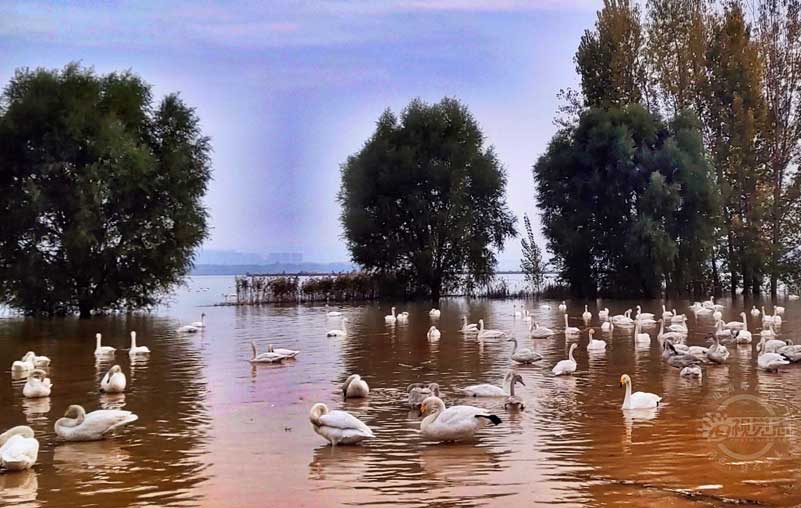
[(102, 191), (609, 58), (627, 203), (423, 201)]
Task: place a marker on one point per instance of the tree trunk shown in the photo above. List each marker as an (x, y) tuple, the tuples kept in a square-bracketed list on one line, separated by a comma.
[(85, 310), (774, 284), (716, 289)]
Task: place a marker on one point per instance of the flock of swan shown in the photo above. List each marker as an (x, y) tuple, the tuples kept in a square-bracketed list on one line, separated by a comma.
[(462, 422), (19, 448)]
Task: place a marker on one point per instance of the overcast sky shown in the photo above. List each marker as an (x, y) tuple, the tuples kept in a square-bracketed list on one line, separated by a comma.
[(288, 89)]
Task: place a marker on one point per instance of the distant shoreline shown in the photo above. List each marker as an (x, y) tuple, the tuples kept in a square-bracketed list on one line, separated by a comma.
[(288, 270)]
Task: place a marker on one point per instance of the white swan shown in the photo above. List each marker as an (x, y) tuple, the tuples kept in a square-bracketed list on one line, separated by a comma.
[(187, 329), (264, 357), (77, 425), (743, 336), (101, 350), (754, 311), (595, 344), (570, 330), (40, 362), (524, 355), (201, 323), (735, 325), (288, 353), (516, 313), (433, 333), (562, 307), (114, 381), (488, 390), (338, 332), (19, 449), (333, 313), (638, 400), (137, 350), (456, 423), (768, 333), (418, 392), (488, 333), (641, 337), (539, 332), (622, 319), (644, 315), (766, 318), (603, 314), (23, 366), (355, 387), (771, 361), (586, 315), (607, 327), (679, 326), (338, 427), (772, 345), (678, 319), (568, 366), (717, 315), (777, 318), (468, 327), (391, 318), (666, 314), (720, 331), (778, 311), (403, 317), (38, 385), (434, 313), (663, 335)]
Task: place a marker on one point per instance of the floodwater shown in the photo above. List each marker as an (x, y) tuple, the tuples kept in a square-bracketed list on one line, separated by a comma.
[(215, 431)]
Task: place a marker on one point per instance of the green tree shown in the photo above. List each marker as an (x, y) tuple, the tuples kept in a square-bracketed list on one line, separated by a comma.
[(531, 264), (423, 201), (734, 119), (103, 189), (609, 58), (623, 196), (778, 32)]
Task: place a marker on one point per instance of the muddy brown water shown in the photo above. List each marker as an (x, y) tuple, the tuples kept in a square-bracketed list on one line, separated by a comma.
[(214, 430)]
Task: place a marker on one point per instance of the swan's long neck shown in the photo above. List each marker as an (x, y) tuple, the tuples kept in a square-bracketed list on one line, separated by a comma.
[(253, 347), (133, 341), (98, 342), (627, 400), (662, 327), (745, 322), (512, 388), (570, 354), (514, 341), (566, 321), (481, 324)]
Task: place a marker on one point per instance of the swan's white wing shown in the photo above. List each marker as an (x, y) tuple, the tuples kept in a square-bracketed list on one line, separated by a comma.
[(484, 390), (345, 421), (106, 420), (644, 400)]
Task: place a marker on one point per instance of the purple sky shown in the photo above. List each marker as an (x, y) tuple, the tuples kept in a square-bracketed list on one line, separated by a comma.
[(288, 89)]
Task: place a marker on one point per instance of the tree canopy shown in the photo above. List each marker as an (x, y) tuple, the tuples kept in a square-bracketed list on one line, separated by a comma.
[(628, 202), (423, 201), (102, 191)]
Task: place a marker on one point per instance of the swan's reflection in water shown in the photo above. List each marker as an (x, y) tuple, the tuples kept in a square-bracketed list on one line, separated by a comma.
[(457, 461), (341, 463), (634, 417), (19, 489), (112, 401), (35, 410), (90, 459)]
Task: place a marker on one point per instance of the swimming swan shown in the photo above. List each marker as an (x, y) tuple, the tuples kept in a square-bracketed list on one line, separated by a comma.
[(19, 449), (488, 390), (565, 367), (355, 387), (536, 331), (638, 400), (468, 327), (524, 355), (101, 350), (137, 350), (433, 333), (77, 425), (391, 318), (456, 423), (38, 385), (338, 427), (595, 344), (338, 333), (264, 357), (488, 333), (114, 381), (570, 330), (434, 313), (201, 323), (513, 400), (586, 315), (23, 366)]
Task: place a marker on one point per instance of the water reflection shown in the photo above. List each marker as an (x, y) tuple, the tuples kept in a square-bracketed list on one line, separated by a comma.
[(19, 488)]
